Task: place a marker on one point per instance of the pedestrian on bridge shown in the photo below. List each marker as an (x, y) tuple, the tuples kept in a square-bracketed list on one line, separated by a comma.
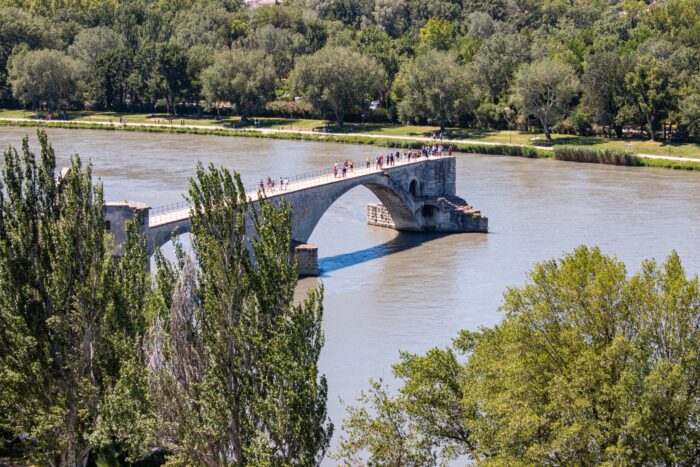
[(369, 161), (335, 169)]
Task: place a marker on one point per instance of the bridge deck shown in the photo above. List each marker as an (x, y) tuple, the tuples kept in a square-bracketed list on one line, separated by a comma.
[(179, 212)]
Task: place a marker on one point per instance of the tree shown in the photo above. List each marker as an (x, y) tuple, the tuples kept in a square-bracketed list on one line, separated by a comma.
[(589, 366), (233, 362), (19, 27), (280, 44), (496, 62), (337, 80), (376, 43), (546, 89), (111, 75), (170, 77), (65, 315), (651, 88), (439, 98), (689, 109), (246, 79), (437, 34), (348, 11), (391, 15), (44, 78), (206, 23), (604, 92), (93, 42)]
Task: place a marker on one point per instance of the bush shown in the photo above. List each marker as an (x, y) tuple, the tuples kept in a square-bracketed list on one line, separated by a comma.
[(595, 156)]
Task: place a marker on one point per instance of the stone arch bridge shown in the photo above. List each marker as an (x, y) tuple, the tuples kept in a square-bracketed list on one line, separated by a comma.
[(416, 195)]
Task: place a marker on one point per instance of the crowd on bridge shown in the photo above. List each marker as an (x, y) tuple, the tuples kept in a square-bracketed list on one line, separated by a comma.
[(342, 169)]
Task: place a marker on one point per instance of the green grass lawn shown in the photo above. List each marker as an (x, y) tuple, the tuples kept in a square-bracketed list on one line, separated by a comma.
[(690, 150)]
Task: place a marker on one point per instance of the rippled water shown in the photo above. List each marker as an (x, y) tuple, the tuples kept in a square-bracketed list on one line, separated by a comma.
[(389, 291)]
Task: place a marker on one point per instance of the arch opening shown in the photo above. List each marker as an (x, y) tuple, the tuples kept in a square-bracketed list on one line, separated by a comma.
[(413, 187), (309, 212)]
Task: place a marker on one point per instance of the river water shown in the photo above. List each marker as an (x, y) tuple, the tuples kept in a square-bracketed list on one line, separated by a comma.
[(388, 291)]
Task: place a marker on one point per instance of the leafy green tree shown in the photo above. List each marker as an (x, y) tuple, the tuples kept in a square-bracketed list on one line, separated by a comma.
[(689, 109), (111, 73), (246, 79), (206, 23), (438, 97), (347, 11), (93, 42), (437, 34), (603, 84), (233, 362), (337, 80), (19, 27), (169, 78), (651, 88), (421, 11), (67, 311), (391, 15), (546, 90), (279, 44), (47, 78), (496, 62), (589, 366), (376, 43)]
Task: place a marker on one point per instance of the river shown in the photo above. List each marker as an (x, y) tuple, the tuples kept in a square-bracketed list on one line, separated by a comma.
[(388, 291)]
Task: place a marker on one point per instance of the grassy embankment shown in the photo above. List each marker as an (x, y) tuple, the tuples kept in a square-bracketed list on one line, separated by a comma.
[(511, 143)]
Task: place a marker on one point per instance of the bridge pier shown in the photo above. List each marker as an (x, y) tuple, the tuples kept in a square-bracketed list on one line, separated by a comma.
[(307, 259), (444, 214)]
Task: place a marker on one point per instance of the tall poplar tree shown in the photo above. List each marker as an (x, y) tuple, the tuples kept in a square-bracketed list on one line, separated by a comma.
[(67, 310), (233, 362)]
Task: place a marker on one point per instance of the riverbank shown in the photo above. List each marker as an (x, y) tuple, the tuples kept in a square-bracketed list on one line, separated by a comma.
[(569, 153)]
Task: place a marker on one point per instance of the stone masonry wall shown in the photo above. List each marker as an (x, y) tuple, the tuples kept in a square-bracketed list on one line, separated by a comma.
[(378, 215), (307, 259)]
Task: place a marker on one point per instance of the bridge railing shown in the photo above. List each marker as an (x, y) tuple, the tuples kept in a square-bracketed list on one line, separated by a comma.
[(169, 208), (172, 212)]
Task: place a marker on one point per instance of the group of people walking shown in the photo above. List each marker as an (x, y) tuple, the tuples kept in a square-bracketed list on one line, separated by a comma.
[(269, 185), (342, 171)]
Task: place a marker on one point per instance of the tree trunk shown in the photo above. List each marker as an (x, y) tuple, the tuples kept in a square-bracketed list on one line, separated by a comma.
[(547, 131), (618, 130), (650, 124), (340, 119)]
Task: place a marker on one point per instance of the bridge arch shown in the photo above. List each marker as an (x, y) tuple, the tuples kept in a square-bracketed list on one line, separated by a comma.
[(309, 208)]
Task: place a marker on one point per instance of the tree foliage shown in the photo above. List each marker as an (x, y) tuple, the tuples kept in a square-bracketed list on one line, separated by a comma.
[(172, 43), (338, 80), (233, 362), (245, 79), (65, 313), (44, 78), (589, 366), (438, 98), (546, 90)]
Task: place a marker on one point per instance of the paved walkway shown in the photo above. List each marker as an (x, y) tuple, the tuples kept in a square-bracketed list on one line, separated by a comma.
[(316, 133), (179, 212)]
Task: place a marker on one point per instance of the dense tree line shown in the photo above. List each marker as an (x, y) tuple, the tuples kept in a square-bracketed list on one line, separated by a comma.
[(616, 66), (212, 364)]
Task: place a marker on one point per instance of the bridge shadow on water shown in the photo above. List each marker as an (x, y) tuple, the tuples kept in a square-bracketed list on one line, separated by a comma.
[(402, 242)]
